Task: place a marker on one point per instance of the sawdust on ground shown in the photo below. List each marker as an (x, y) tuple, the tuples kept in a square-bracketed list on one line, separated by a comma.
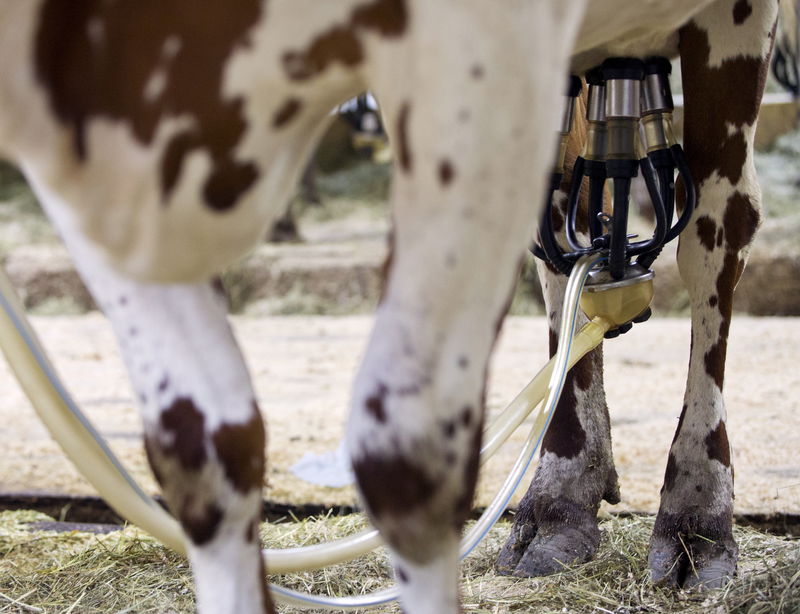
[(303, 368)]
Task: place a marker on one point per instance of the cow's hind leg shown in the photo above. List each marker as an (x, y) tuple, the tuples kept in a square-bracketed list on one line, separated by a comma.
[(724, 56), (203, 432), (469, 168), (556, 521)]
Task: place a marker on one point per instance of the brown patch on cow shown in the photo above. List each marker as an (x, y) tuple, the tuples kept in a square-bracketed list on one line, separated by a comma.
[(715, 361), (286, 112), (342, 43), (403, 149), (720, 236), (393, 484), (680, 423), (402, 576), (172, 160), (741, 220), (150, 452), (446, 173), (728, 277), (671, 472), (463, 503), (565, 436), (387, 17), (240, 449), (477, 71), (227, 182), (706, 229), (713, 301), (726, 283), (717, 445), (185, 425), (741, 11), (200, 524), (218, 286), (449, 429), (466, 416), (339, 44), (251, 532), (552, 340), (735, 86), (87, 78), (575, 145), (374, 404), (386, 267), (583, 371)]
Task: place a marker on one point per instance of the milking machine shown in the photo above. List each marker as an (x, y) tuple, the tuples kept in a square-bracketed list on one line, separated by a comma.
[(629, 118), (629, 130)]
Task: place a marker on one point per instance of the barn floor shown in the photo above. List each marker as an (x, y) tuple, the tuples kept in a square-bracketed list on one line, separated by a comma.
[(127, 571), (303, 367)]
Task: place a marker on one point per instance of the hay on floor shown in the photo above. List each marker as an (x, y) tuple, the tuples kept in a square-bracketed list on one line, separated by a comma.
[(127, 571)]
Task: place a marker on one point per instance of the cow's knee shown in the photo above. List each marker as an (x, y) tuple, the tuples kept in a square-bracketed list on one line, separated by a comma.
[(204, 472), (211, 476)]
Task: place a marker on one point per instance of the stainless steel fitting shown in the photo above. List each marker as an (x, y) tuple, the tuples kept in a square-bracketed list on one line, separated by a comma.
[(623, 98)]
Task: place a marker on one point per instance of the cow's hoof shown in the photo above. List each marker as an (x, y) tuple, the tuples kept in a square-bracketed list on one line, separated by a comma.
[(549, 551), (666, 561), (517, 543), (692, 562)]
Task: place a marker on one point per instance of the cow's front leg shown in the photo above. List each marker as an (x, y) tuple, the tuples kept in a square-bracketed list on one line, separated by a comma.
[(203, 432), (725, 57)]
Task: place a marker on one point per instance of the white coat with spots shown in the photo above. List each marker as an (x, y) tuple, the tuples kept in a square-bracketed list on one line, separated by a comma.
[(163, 137)]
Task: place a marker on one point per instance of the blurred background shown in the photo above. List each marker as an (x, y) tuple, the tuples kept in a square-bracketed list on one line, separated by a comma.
[(324, 256)]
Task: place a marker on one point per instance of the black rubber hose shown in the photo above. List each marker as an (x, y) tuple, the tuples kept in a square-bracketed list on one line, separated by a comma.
[(552, 253), (689, 190), (597, 186), (666, 179), (619, 228), (657, 240), (650, 250), (573, 204)]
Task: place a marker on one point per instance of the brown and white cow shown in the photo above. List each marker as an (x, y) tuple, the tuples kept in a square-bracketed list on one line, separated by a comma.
[(163, 136)]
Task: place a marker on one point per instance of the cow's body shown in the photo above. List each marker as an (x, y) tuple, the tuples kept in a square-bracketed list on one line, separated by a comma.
[(163, 136)]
